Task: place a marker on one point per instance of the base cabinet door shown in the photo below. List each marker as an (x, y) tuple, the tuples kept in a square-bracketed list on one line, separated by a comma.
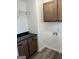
[(23, 49), (32, 45)]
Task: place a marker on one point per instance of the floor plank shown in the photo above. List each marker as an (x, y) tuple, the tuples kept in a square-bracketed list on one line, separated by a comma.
[(47, 54)]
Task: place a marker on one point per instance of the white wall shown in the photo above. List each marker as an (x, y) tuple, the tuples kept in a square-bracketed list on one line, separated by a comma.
[(28, 21), (53, 41), (21, 5), (22, 24), (32, 17), (46, 29)]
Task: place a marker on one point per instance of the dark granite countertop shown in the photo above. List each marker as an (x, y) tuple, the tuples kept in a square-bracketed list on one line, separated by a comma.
[(24, 37)]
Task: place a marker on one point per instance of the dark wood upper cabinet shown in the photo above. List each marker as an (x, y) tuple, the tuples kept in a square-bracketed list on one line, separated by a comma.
[(60, 10), (52, 11)]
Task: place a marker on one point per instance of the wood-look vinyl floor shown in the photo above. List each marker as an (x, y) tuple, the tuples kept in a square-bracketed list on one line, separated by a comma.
[(47, 54)]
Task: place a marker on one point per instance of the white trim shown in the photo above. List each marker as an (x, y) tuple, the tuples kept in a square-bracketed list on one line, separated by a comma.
[(60, 51), (41, 49)]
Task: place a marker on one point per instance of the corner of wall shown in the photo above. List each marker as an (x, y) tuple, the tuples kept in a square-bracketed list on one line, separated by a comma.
[(60, 51)]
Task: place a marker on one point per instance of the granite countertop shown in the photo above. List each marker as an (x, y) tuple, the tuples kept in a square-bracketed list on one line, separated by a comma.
[(25, 36)]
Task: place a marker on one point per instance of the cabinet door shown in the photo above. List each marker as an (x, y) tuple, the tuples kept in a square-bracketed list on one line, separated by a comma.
[(59, 10), (23, 48), (32, 45), (50, 11)]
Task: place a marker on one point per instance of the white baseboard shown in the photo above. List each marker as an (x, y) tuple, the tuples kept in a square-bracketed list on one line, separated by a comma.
[(60, 51), (49, 48), (41, 49)]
